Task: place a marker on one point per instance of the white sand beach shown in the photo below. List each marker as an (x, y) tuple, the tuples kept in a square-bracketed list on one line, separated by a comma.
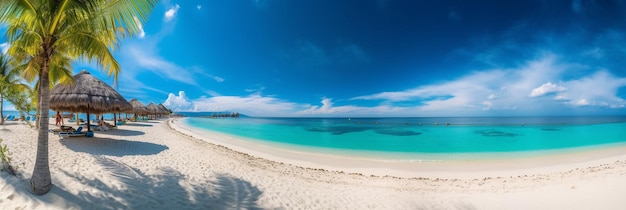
[(164, 165)]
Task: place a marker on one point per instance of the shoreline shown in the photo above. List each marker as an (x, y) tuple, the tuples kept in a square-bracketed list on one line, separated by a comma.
[(477, 166), (143, 165)]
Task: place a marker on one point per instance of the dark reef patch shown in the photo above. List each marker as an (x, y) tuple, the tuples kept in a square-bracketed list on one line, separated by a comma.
[(339, 130), (398, 132), (496, 133)]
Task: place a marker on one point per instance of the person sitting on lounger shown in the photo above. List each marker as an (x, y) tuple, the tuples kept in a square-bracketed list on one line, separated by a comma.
[(102, 125)]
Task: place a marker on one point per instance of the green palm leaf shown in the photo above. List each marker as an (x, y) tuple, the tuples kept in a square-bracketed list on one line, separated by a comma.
[(46, 35)]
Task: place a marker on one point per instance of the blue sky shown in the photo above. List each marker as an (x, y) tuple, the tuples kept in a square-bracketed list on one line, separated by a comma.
[(379, 57)]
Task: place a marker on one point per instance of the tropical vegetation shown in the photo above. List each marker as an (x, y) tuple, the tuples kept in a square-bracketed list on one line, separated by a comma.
[(44, 33), (12, 87), (5, 159)]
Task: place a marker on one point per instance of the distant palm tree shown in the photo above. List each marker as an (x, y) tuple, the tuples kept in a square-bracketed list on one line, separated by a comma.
[(39, 31), (11, 86), (60, 72)]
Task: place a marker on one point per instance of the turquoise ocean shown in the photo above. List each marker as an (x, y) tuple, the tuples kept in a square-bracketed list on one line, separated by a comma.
[(426, 136)]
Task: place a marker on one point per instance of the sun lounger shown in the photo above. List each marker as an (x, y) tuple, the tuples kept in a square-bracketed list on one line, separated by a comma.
[(66, 128), (76, 133)]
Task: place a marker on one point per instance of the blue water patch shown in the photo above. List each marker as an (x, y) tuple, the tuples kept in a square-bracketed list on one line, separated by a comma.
[(426, 135)]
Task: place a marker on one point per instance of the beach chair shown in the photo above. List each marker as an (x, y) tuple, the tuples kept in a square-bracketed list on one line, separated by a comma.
[(76, 133), (66, 128), (63, 128)]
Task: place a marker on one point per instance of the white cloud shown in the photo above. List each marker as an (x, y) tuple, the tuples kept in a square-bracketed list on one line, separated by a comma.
[(478, 93), (4, 47), (547, 88), (142, 33), (140, 57), (327, 103), (213, 93), (171, 13), (257, 91), (199, 7), (598, 89), (327, 108), (560, 96), (255, 105), (178, 103), (507, 89), (469, 92), (216, 78), (268, 106), (144, 59), (581, 102)]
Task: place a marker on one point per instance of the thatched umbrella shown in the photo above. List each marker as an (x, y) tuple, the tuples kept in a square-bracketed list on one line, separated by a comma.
[(152, 109), (162, 109), (88, 94), (138, 107)]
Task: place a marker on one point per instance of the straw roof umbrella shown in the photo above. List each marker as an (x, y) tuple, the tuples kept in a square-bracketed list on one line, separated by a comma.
[(163, 109), (138, 107), (88, 94), (152, 109)]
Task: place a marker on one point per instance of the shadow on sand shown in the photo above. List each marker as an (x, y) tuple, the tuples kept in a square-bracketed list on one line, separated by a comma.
[(112, 147), (123, 132), (137, 124), (165, 189)]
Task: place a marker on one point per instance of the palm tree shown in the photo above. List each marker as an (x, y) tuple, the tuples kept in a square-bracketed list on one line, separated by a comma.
[(60, 72), (41, 30), (11, 86), (21, 99)]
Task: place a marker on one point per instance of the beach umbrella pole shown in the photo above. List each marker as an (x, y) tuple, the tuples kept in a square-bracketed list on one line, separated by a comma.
[(88, 122)]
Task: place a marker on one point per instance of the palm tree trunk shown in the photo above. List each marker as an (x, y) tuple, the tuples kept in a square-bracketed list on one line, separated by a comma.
[(1, 107), (38, 114), (41, 181), (37, 118)]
